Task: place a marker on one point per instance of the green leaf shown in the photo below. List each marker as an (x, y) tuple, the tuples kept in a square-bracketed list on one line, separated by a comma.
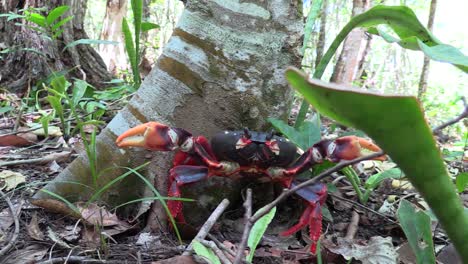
[(304, 137), (377, 178), (56, 13), (310, 22), (61, 23), (56, 103), (59, 84), (45, 120), (130, 48), (37, 19), (137, 8), (146, 26), (5, 109), (205, 252), (79, 89), (417, 227), (257, 232), (398, 126), (89, 42), (462, 181)]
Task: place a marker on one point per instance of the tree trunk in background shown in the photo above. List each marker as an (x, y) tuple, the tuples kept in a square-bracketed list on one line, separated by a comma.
[(145, 64), (223, 68), (425, 69), (323, 29), (114, 55), (352, 54), (21, 68)]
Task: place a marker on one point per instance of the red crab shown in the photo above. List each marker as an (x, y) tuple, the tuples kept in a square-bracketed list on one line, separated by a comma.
[(249, 153)]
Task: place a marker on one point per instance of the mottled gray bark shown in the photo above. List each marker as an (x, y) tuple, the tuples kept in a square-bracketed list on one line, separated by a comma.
[(223, 68)]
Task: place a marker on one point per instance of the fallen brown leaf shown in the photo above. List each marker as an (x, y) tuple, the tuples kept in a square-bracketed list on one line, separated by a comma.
[(33, 229)]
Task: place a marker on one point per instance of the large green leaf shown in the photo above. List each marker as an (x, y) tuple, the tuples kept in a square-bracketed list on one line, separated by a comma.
[(398, 126), (303, 137), (146, 26), (417, 227), (56, 13), (130, 48), (257, 232)]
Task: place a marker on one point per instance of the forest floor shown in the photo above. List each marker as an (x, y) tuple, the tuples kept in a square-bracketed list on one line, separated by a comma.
[(366, 232)]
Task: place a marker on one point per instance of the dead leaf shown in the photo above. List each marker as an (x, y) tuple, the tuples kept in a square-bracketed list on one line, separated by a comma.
[(18, 140), (376, 250), (54, 131), (10, 179), (54, 167), (92, 214), (33, 229), (6, 220), (29, 254), (56, 238), (55, 206), (71, 233), (177, 260), (57, 157), (91, 237), (148, 240), (405, 254)]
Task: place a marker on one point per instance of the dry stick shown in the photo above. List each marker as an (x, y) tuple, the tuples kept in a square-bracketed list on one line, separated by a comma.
[(222, 257), (221, 245), (247, 227), (264, 210), (72, 259), (46, 159), (464, 114), (363, 207), (15, 219), (208, 225), (353, 226)]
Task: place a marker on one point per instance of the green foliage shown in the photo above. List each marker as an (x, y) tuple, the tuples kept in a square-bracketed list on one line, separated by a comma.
[(205, 252), (398, 126), (404, 23), (373, 181), (417, 227), (257, 232), (50, 24), (89, 42), (303, 137), (310, 22), (462, 181)]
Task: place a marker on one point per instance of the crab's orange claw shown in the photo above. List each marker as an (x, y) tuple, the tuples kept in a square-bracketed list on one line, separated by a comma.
[(351, 147), (151, 135)]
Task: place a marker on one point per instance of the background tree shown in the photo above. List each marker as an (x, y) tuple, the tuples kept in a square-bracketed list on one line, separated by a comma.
[(33, 56), (422, 87)]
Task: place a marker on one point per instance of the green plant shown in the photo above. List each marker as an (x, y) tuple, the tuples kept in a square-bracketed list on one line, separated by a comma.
[(257, 232), (132, 43)]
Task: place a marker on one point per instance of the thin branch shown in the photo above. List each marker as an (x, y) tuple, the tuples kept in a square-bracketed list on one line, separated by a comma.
[(216, 250), (208, 225), (247, 227), (12, 241), (353, 226), (264, 210), (221, 245), (72, 259), (464, 114), (51, 157)]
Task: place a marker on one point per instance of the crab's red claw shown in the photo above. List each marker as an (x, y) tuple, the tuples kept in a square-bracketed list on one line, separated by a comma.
[(153, 136), (351, 147)]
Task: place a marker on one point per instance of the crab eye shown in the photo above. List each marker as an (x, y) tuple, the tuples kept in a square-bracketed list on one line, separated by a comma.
[(242, 142), (187, 145), (331, 148), (316, 155)]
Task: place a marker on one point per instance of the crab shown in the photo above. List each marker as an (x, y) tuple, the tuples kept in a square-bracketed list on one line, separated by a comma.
[(248, 154)]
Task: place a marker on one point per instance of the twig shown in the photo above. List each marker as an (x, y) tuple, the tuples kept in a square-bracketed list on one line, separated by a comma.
[(216, 250), (464, 114), (46, 159), (363, 207), (208, 225), (12, 241), (221, 245), (353, 226), (264, 210), (72, 259), (247, 227)]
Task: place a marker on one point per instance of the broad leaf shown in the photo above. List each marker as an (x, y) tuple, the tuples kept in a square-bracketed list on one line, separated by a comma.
[(56, 13), (146, 26), (78, 91), (205, 252), (377, 178), (59, 84), (417, 227), (37, 19), (462, 181), (61, 23), (398, 126), (304, 137), (257, 232), (89, 42)]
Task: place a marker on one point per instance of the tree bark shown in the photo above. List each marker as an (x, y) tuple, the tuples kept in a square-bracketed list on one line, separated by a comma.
[(22, 67), (322, 34), (223, 68), (346, 68), (425, 69), (114, 55)]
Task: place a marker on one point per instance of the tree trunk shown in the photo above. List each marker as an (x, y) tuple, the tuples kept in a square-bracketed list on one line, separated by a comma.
[(425, 69), (346, 68), (22, 67), (323, 29), (114, 55), (223, 68)]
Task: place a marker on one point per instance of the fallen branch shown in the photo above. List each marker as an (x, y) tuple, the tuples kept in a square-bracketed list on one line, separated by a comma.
[(49, 158), (205, 229), (221, 245), (12, 241), (247, 227), (222, 257), (72, 259), (353, 226), (464, 114)]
